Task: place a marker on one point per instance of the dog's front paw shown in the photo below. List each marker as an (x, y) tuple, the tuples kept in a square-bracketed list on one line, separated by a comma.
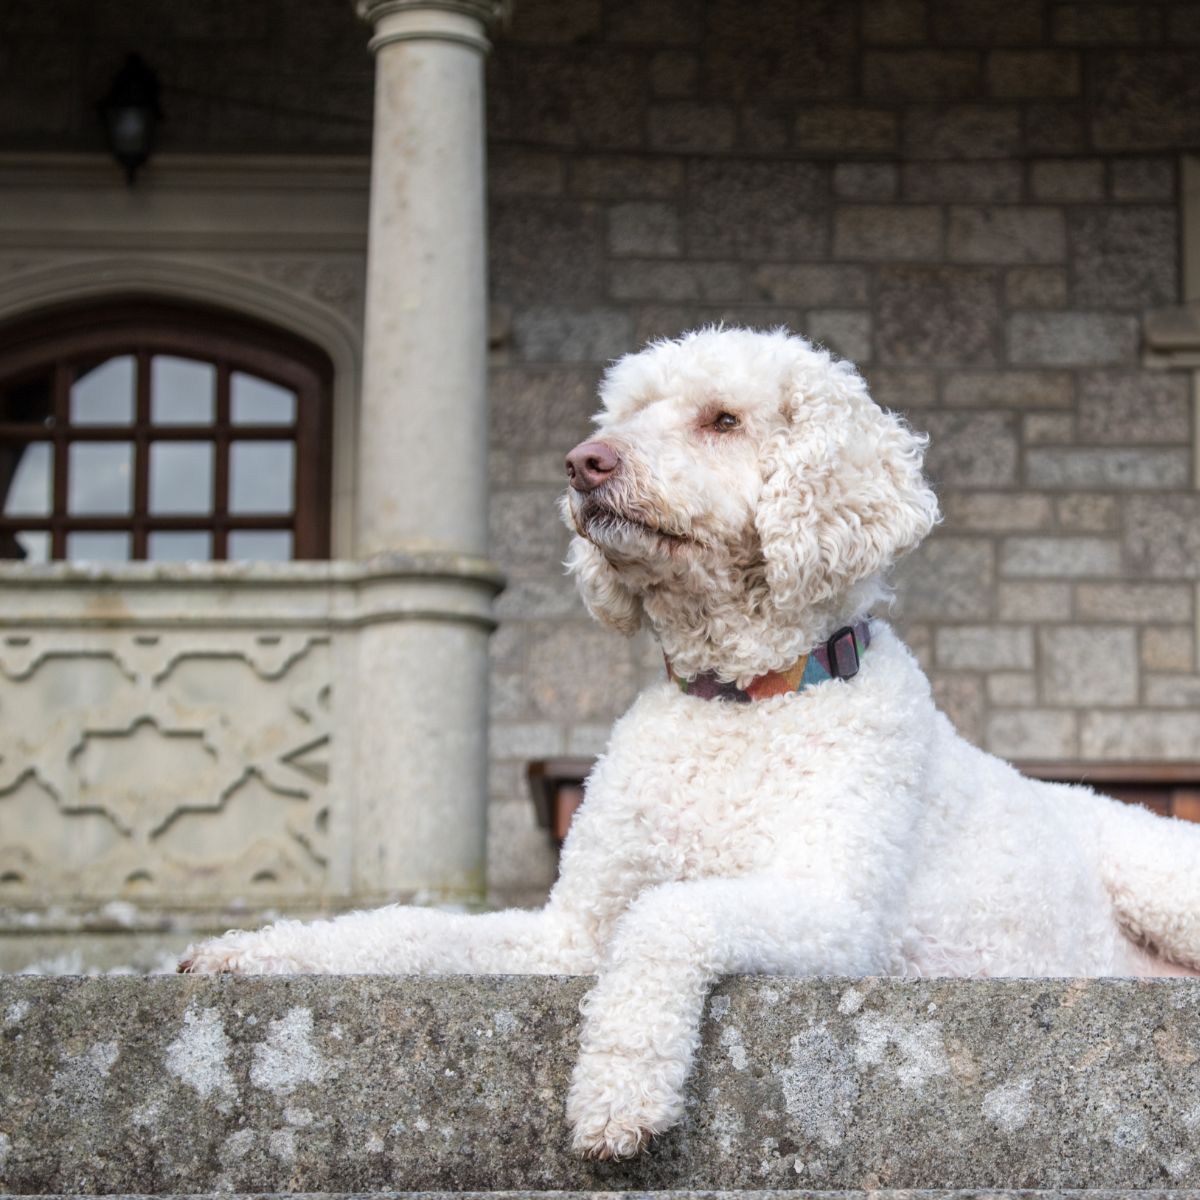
[(617, 1104), (236, 954)]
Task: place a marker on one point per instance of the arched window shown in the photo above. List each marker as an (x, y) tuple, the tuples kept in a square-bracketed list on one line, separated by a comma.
[(146, 430)]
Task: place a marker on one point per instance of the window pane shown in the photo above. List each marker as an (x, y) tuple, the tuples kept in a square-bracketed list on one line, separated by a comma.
[(182, 391), (26, 545), (181, 477), (98, 547), (100, 479), (180, 547), (26, 471), (254, 401), (28, 403), (260, 545), (103, 395), (260, 477)]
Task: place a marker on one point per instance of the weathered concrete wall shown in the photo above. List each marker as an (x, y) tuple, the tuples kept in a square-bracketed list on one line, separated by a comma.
[(317, 1084)]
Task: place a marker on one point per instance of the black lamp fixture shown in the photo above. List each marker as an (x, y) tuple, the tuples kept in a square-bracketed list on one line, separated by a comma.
[(130, 114)]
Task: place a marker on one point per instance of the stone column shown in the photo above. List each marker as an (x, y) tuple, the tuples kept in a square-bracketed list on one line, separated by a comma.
[(420, 780)]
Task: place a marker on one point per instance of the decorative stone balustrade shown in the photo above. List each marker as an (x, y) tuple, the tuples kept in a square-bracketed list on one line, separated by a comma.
[(193, 746)]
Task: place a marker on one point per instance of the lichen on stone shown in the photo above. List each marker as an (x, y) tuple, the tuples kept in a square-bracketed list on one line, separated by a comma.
[(199, 1056), (288, 1057)]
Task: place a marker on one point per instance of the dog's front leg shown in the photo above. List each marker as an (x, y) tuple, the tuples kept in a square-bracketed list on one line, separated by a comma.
[(564, 938), (405, 940), (642, 1019)]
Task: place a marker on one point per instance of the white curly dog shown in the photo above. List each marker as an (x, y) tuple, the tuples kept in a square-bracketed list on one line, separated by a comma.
[(789, 800)]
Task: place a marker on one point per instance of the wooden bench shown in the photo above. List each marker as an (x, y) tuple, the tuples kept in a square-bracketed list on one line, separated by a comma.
[(1170, 789)]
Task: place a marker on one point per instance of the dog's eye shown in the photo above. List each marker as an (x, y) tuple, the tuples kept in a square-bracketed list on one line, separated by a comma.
[(724, 422)]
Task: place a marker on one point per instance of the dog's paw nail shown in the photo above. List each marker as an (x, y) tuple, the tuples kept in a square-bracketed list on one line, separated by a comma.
[(205, 965), (213, 958), (615, 1107), (613, 1143)]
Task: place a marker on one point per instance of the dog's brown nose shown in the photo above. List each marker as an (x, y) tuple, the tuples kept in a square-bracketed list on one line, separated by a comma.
[(590, 464)]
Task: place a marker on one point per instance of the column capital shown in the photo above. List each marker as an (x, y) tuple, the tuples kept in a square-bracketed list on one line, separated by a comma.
[(466, 22)]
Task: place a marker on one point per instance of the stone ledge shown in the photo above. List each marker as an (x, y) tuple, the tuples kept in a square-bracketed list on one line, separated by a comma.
[(331, 1085), (335, 594), (687, 1194)]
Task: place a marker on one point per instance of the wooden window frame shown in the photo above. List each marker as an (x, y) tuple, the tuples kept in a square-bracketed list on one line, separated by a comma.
[(144, 328)]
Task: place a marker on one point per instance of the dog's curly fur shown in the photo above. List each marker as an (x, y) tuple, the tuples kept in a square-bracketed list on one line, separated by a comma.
[(846, 829)]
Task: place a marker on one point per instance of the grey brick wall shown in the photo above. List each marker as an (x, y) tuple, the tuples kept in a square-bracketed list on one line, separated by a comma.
[(976, 200), (267, 76)]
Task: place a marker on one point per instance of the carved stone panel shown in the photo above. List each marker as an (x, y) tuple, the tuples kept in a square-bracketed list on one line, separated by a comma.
[(179, 768)]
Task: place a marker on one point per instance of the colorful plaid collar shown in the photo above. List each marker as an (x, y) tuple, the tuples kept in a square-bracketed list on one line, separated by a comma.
[(838, 658)]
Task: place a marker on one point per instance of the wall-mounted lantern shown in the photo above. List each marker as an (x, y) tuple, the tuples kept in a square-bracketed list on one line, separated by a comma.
[(130, 114)]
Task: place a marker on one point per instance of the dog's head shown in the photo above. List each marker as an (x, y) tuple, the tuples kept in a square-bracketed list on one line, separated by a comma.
[(729, 454)]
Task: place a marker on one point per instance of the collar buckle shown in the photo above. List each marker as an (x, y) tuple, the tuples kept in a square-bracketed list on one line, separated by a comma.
[(841, 652)]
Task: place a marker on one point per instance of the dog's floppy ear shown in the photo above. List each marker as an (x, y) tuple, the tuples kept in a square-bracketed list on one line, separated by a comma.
[(843, 495), (604, 595)]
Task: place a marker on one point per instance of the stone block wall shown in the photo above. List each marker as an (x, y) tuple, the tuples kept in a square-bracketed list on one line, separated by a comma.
[(271, 77), (976, 202)]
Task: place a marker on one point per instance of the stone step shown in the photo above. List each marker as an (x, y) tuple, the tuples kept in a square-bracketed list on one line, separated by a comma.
[(348, 1086), (683, 1194)]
